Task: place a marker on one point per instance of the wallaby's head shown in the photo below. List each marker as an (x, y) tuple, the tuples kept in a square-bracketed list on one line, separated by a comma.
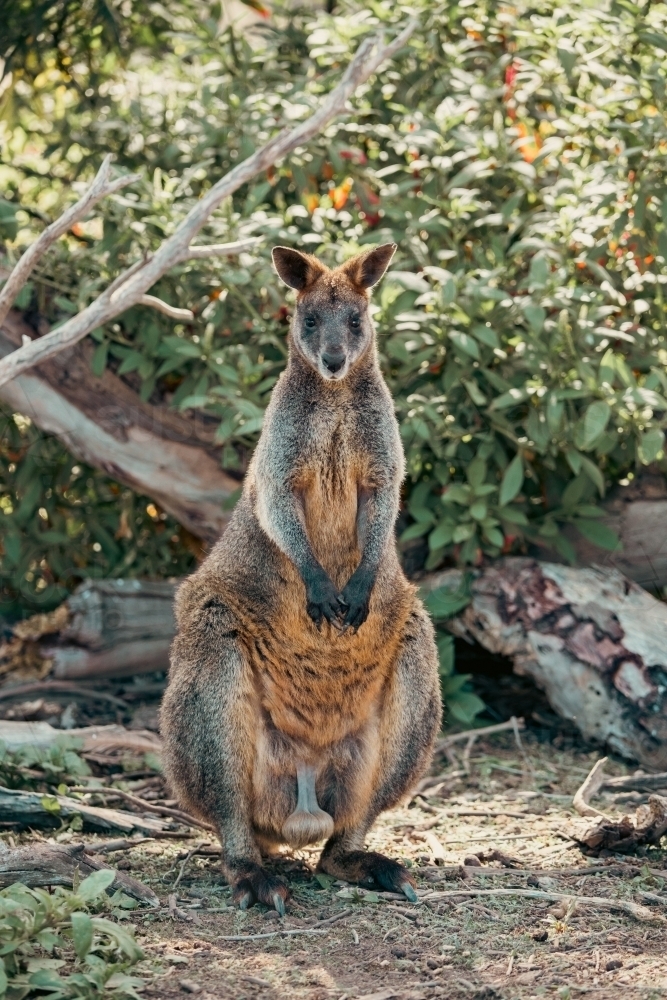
[(332, 326)]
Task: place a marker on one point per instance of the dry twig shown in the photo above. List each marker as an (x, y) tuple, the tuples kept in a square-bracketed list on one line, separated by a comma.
[(632, 909), (591, 786)]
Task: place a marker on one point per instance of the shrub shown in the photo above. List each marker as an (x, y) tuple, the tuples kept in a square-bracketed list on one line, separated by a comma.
[(515, 154)]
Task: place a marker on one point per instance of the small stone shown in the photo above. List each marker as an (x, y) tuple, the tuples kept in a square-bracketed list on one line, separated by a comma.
[(613, 963), (472, 862), (271, 915), (190, 986)]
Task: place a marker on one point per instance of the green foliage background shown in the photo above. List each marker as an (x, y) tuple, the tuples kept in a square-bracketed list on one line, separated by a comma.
[(516, 153)]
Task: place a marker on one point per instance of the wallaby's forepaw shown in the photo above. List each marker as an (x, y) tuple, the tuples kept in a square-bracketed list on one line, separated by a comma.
[(255, 885), (369, 866), (355, 598), (322, 599)]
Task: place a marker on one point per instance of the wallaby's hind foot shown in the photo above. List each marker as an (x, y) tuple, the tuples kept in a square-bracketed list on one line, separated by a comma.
[(254, 885), (367, 867), (308, 823)]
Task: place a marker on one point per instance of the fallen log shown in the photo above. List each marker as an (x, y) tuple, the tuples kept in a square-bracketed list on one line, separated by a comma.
[(106, 628), (152, 449), (595, 642), (57, 864), (18, 808), (97, 739)]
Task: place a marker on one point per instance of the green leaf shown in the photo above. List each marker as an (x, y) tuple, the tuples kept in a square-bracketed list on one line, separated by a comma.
[(536, 316), (494, 536), (442, 535), (465, 706), (443, 603), (82, 932), (462, 532), (596, 419), (99, 361), (512, 480), (96, 884), (593, 473), (326, 881), (513, 516), (650, 445), (475, 393), (465, 343), (486, 335), (599, 534), (445, 643), (476, 472)]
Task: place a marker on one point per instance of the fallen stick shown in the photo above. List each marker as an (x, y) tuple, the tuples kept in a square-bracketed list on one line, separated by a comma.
[(19, 808), (591, 786), (269, 934), (473, 870), (60, 687), (177, 814), (512, 725), (636, 782), (632, 909), (109, 846), (56, 864)]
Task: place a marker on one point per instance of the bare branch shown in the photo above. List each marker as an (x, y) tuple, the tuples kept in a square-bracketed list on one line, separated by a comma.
[(129, 289), (100, 188), (591, 786), (220, 249), (173, 312)]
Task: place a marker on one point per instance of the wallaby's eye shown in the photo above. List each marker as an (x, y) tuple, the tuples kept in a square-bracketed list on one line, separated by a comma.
[(355, 321), (310, 322)]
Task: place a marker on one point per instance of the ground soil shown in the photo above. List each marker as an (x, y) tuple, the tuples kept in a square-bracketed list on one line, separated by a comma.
[(514, 802)]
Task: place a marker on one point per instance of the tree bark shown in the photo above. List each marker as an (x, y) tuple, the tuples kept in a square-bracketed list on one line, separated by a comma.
[(595, 642), (153, 450), (55, 864), (27, 809)]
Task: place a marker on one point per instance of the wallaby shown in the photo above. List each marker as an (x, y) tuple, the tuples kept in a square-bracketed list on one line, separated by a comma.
[(303, 695)]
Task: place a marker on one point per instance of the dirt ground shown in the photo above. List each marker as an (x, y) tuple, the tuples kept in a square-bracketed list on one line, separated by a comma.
[(459, 940)]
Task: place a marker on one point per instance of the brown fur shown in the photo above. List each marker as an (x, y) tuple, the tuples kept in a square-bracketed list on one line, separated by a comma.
[(256, 687)]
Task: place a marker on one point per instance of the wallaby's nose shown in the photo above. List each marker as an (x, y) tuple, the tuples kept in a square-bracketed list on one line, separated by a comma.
[(334, 361)]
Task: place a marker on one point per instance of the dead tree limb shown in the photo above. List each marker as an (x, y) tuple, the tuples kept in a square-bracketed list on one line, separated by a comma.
[(592, 640), (166, 455), (19, 808), (100, 188), (56, 864), (128, 288)]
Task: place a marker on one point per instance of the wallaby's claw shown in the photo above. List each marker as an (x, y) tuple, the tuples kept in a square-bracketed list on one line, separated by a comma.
[(243, 894), (257, 886), (409, 891)]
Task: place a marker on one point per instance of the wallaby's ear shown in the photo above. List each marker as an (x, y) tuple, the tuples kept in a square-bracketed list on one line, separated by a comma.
[(366, 269), (296, 269)]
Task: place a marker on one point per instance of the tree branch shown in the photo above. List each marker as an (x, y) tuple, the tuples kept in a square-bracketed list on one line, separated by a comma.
[(168, 456), (100, 188), (220, 249), (173, 312), (129, 288)]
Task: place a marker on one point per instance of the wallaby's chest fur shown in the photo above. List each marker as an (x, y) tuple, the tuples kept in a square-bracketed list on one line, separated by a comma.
[(314, 684)]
